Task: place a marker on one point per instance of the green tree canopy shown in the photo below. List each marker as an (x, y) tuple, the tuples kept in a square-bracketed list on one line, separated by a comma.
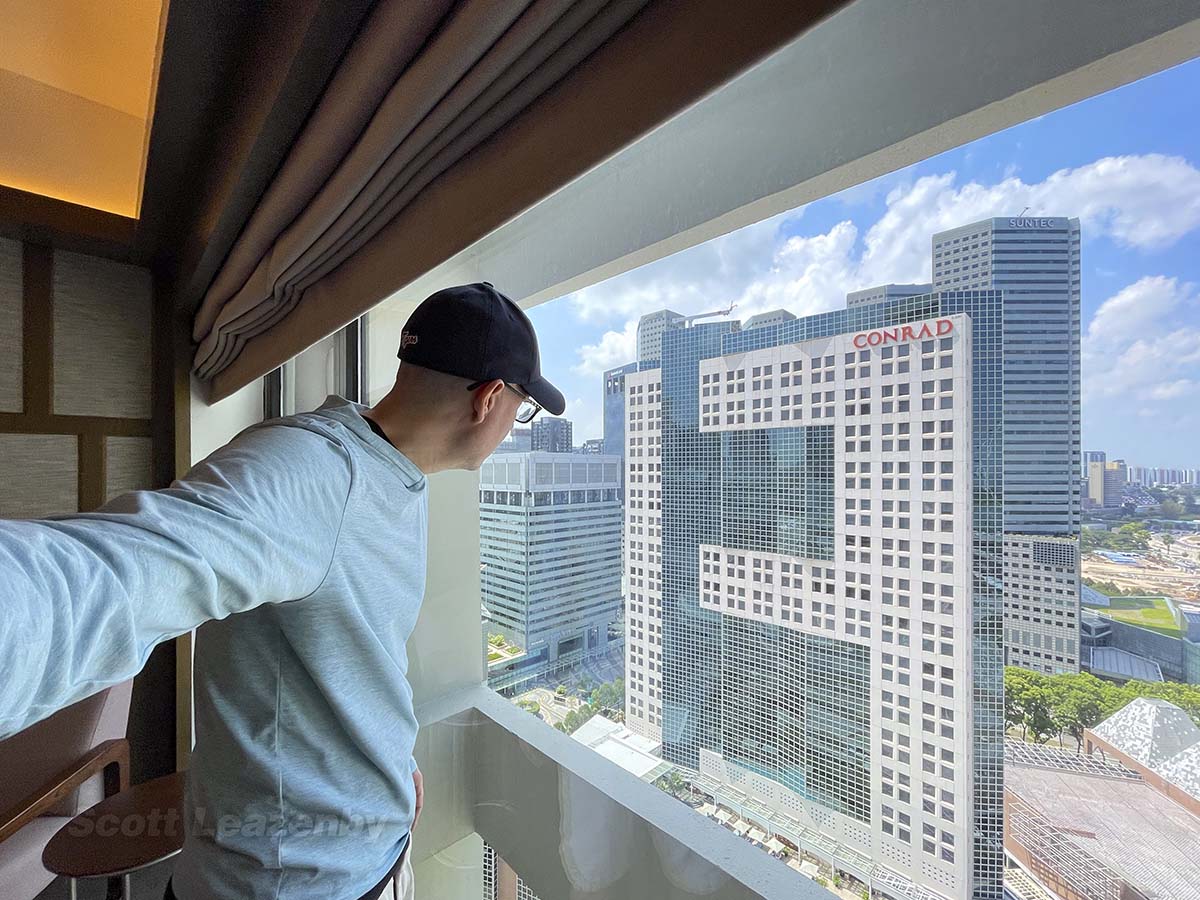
[(1043, 706)]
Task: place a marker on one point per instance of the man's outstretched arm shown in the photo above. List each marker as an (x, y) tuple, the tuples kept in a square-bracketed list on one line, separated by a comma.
[(84, 599)]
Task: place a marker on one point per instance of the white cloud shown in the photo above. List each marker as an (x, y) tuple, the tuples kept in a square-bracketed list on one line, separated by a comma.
[(614, 349), (693, 280), (1173, 390), (1123, 316), (1141, 352), (1145, 202)]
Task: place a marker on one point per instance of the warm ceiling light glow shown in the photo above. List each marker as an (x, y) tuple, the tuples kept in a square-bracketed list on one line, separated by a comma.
[(76, 85)]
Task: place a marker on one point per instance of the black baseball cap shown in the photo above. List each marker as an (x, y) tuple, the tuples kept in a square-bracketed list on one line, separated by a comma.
[(475, 332)]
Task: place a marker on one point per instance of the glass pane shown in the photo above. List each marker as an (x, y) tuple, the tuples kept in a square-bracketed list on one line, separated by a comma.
[(314, 375), (832, 568)]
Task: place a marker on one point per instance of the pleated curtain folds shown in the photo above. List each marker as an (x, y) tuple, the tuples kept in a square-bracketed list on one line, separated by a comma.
[(423, 85), (424, 88)]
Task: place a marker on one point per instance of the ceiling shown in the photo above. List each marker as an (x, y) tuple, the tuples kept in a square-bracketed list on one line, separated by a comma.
[(76, 89)]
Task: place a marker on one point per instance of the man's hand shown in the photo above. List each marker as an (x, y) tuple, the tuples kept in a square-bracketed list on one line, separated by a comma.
[(419, 785)]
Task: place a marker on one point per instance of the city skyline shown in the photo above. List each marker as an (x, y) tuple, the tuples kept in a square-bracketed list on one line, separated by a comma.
[(1133, 181)]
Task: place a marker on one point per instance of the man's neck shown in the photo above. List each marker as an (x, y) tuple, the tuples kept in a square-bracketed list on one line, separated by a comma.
[(377, 428), (416, 439)]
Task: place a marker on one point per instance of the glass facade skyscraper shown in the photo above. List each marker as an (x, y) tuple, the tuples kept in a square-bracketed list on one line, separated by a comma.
[(551, 435), (549, 544), (814, 562), (614, 408), (1035, 261)]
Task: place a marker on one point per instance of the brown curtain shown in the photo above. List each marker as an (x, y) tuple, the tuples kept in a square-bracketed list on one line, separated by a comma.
[(445, 119)]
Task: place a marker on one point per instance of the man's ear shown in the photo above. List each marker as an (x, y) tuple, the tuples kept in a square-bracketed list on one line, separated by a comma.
[(485, 400)]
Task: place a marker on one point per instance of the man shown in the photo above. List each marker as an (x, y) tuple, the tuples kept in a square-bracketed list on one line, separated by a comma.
[(302, 546)]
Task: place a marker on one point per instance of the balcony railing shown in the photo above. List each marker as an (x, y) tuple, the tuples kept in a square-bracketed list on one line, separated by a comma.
[(570, 822)]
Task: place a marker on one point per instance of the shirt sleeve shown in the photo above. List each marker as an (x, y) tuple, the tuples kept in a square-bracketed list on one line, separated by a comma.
[(85, 598)]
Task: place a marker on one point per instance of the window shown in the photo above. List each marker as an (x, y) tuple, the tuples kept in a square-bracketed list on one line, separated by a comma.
[(722, 575)]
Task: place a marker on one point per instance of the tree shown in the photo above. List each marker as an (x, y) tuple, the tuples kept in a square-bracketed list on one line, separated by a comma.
[(1020, 686), (672, 783), (1038, 713), (1133, 536), (561, 690), (1042, 705), (575, 719), (1170, 509), (1130, 537), (610, 696), (1079, 703), (1107, 588)]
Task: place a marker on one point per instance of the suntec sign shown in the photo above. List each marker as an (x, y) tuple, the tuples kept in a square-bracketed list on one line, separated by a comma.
[(902, 334)]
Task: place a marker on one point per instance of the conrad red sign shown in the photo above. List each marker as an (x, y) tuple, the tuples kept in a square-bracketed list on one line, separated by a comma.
[(902, 334)]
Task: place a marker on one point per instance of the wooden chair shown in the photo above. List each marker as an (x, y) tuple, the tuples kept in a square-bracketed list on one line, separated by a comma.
[(52, 771)]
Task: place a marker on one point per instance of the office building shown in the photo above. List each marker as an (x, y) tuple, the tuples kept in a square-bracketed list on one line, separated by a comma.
[(650, 330), (551, 435), (614, 408), (1041, 601), (771, 317), (886, 292), (1106, 483), (1091, 456), (500, 880), (1036, 263), (591, 445), (1163, 476), (808, 564), (643, 553), (549, 544), (519, 440)]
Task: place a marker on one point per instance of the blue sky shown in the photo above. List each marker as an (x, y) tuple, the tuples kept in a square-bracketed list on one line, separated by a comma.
[(1127, 163)]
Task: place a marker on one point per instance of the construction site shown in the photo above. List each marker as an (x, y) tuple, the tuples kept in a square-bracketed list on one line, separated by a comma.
[(1170, 569)]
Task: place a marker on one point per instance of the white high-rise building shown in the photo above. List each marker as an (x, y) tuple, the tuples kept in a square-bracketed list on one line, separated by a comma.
[(643, 553), (549, 538), (819, 658), (650, 331), (885, 292)]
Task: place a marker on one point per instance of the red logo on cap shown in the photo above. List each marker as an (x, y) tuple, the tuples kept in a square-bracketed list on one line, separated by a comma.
[(407, 339)]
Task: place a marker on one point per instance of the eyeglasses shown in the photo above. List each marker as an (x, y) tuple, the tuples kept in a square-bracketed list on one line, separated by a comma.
[(528, 408)]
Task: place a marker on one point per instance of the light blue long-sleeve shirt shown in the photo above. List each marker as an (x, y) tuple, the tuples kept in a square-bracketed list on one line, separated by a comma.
[(302, 545)]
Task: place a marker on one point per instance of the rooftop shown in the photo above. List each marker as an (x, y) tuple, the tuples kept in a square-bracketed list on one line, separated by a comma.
[(1149, 841), (612, 740), (1183, 769), (1149, 730), (1118, 663)]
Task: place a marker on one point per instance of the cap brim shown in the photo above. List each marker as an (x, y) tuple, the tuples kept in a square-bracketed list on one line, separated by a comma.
[(547, 395)]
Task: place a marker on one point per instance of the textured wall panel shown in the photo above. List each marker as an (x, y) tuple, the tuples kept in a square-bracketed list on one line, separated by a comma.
[(11, 332), (128, 465), (101, 337), (38, 475)]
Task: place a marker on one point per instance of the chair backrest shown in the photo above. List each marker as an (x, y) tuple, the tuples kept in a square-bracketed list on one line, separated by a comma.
[(45, 749)]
